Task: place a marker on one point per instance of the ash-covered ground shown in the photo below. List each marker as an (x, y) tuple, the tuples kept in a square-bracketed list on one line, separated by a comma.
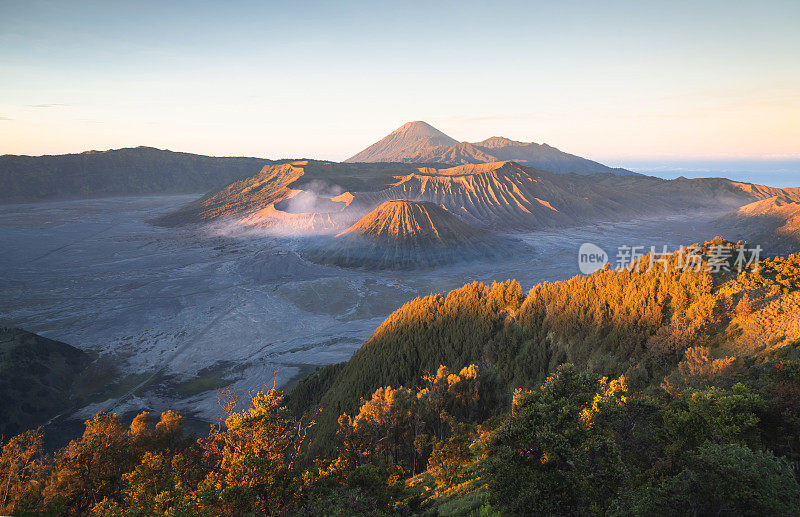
[(175, 313)]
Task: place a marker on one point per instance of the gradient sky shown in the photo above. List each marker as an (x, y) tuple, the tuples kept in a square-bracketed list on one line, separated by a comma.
[(612, 81)]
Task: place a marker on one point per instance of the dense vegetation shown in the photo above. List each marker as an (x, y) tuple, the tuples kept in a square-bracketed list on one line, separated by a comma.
[(637, 323), (651, 392), (140, 170)]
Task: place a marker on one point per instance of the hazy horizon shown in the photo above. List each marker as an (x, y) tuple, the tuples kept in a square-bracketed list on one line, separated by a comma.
[(772, 172), (615, 83)]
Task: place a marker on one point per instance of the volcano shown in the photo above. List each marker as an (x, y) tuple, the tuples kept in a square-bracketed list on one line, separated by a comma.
[(419, 142), (310, 197), (409, 140), (401, 234)]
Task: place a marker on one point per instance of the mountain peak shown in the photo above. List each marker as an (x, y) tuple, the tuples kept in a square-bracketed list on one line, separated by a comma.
[(409, 138), (493, 142), (419, 128)]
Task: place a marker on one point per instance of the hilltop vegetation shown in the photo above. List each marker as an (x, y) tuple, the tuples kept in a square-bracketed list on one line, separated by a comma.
[(665, 390), (636, 323), (140, 170)]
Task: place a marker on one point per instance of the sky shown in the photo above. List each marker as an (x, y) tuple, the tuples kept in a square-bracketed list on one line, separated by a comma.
[(661, 84)]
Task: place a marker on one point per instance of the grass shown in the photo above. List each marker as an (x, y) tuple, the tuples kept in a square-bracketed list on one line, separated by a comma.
[(201, 383)]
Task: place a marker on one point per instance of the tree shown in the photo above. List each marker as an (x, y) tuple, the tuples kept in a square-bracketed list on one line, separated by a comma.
[(449, 456), (400, 426), (22, 464), (89, 470), (715, 414), (381, 431), (159, 485), (255, 458), (551, 457)]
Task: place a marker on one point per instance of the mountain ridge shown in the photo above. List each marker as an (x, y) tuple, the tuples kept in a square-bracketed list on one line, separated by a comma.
[(504, 196), (411, 143), (125, 171), (771, 222)]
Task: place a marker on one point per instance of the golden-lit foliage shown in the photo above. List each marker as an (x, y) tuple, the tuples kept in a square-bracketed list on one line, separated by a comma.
[(90, 470), (254, 457), (402, 426), (636, 321), (663, 401), (613, 392), (699, 368), (21, 468)]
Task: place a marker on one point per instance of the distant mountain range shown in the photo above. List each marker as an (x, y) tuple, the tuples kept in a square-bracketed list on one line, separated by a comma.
[(496, 184), (419, 142), (355, 205), (498, 195), (146, 170), (138, 170)]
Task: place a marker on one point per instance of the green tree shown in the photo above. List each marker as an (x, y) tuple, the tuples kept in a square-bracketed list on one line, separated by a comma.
[(448, 457), (715, 414), (550, 458)]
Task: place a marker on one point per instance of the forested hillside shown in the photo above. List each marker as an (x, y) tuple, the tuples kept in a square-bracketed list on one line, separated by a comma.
[(664, 390), (637, 323)]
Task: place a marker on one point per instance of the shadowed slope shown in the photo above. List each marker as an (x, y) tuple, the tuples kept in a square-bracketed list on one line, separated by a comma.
[(35, 376)]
